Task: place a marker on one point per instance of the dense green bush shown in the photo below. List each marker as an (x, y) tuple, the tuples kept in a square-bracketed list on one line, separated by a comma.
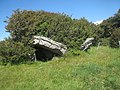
[(105, 41), (24, 24), (14, 52), (115, 38), (111, 27)]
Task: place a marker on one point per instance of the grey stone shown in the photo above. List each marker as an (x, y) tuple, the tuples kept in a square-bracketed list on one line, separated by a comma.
[(86, 45), (46, 48)]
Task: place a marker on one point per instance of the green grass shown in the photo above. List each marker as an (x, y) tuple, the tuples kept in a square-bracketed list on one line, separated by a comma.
[(94, 70)]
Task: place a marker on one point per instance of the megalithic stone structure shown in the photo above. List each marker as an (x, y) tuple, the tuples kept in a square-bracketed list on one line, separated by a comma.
[(86, 45), (46, 48)]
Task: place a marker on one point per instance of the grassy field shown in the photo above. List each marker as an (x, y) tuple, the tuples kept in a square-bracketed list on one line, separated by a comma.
[(92, 70)]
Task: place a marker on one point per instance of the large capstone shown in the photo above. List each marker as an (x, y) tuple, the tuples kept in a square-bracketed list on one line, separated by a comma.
[(46, 48), (86, 45)]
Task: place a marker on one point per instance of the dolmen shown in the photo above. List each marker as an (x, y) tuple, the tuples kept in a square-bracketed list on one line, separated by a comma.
[(86, 45), (46, 48)]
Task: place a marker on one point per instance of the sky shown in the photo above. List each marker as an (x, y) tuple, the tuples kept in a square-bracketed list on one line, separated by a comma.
[(92, 10)]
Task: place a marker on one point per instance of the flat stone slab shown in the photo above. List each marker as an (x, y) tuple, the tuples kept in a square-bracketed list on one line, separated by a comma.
[(48, 44)]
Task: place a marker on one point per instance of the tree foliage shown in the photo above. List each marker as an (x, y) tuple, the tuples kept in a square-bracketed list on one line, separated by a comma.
[(111, 28), (59, 27), (14, 52)]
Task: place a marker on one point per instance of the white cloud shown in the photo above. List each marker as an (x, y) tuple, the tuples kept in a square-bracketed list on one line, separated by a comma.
[(1, 39), (98, 22)]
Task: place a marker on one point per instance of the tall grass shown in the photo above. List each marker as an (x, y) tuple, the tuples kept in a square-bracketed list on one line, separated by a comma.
[(97, 69)]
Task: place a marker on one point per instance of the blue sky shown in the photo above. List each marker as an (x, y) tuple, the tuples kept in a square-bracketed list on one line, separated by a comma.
[(92, 10)]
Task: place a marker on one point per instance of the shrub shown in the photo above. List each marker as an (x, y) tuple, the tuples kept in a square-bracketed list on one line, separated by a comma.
[(14, 52), (115, 37)]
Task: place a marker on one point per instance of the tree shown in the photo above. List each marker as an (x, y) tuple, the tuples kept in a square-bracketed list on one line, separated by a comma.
[(115, 38), (111, 29)]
